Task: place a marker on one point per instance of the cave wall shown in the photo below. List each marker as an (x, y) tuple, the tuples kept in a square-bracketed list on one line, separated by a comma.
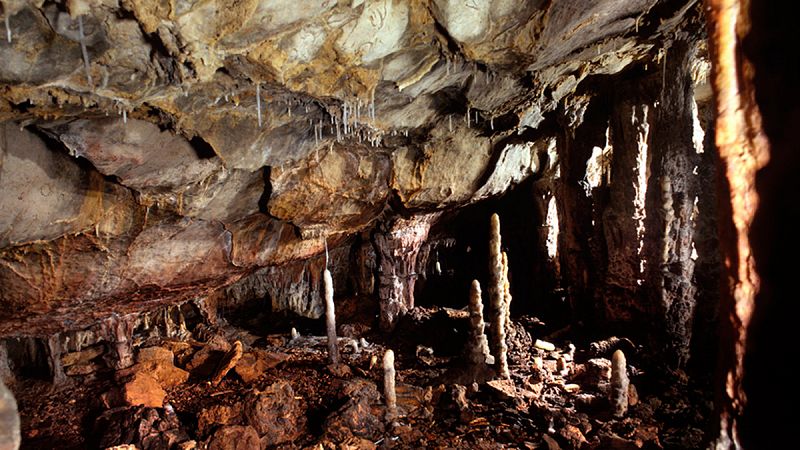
[(768, 361)]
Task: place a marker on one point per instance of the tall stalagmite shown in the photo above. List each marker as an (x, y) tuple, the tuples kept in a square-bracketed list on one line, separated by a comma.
[(497, 298), (330, 318)]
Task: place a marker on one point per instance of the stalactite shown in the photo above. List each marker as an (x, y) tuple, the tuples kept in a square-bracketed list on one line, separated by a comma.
[(85, 53), (118, 332), (258, 103), (389, 392), (330, 318), (8, 26)]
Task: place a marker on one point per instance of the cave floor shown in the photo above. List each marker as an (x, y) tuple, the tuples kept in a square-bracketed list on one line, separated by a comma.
[(342, 406)]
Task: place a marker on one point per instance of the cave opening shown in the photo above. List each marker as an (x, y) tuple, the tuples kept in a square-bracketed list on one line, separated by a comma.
[(393, 224)]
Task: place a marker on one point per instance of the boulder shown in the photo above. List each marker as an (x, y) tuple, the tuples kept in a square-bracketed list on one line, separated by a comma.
[(275, 414), (234, 437), (218, 415), (255, 362)]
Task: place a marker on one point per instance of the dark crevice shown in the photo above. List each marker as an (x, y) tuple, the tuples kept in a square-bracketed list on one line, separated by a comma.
[(202, 148), (263, 201)]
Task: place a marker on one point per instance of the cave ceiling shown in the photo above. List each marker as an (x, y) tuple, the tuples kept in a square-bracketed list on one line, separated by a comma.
[(153, 151)]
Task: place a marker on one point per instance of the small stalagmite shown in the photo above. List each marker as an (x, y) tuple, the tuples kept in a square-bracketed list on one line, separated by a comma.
[(619, 384), (478, 350), (389, 392), (330, 318)]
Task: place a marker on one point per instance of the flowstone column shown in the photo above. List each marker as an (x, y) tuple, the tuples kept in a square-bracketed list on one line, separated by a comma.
[(397, 245)]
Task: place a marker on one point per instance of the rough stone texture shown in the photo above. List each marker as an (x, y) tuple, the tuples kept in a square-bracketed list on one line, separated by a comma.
[(82, 357), (341, 186), (234, 437), (670, 203), (143, 389), (275, 414), (396, 248), (367, 109), (54, 195), (253, 363), (9, 420), (158, 363), (216, 415), (361, 416), (627, 204), (227, 363), (139, 426), (773, 92)]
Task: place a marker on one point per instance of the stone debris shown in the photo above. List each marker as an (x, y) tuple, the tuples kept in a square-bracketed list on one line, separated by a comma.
[(142, 389), (216, 415), (141, 427), (275, 414), (234, 437), (544, 345), (256, 362), (227, 363)]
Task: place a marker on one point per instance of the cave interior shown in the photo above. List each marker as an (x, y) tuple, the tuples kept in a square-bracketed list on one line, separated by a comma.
[(361, 224)]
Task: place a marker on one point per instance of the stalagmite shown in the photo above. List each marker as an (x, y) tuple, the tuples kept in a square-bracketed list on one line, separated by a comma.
[(619, 384), (497, 298), (330, 318), (478, 346), (389, 392)]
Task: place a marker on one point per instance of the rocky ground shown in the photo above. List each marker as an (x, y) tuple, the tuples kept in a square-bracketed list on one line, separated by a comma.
[(223, 386)]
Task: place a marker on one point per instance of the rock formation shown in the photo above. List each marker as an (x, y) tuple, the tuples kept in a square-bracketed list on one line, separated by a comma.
[(164, 166)]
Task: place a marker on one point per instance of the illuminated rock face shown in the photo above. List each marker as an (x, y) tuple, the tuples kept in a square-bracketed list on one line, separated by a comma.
[(145, 170)]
